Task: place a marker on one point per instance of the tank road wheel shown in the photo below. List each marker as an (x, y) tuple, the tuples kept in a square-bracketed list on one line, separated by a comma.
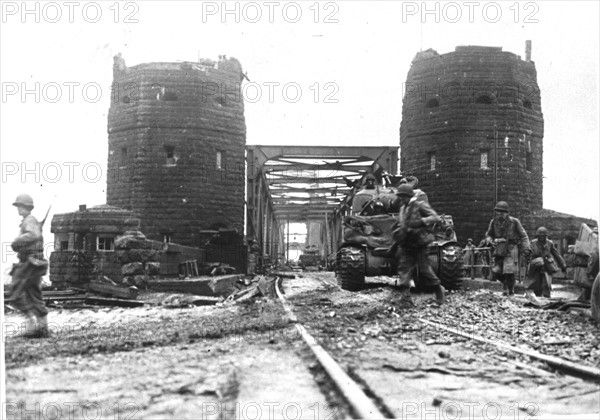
[(351, 269), (451, 266)]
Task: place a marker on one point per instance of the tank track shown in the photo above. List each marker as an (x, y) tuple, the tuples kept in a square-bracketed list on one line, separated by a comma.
[(451, 272), (351, 269)]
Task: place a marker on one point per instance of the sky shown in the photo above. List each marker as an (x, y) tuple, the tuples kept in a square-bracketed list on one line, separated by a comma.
[(321, 73)]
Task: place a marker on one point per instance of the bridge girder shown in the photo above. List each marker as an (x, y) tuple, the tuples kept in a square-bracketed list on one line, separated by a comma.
[(323, 176)]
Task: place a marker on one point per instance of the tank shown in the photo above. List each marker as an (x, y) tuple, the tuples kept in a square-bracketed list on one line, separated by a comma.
[(369, 249), (310, 257)]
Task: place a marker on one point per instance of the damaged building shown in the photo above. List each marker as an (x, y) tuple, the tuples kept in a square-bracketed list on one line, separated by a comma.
[(96, 242), (472, 132)]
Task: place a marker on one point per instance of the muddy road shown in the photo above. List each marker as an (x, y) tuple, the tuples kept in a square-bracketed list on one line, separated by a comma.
[(247, 360)]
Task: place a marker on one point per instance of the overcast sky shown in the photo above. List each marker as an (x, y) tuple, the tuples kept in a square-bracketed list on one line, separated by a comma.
[(348, 59)]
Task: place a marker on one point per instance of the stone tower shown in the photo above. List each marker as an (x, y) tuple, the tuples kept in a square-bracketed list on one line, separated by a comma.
[(472, 130), (176, 147)]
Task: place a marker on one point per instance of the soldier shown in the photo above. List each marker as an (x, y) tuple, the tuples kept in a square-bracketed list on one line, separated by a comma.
[(366, 202), (27, 273), (414, 234), (506, 235), (469, 257), (544, 257)]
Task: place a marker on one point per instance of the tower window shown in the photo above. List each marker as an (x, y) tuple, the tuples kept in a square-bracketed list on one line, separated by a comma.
[(529, 161), (433, 103), (484, 99), (166, 95), (484, 159), (220, 159), (170, 152), (169, 96), (123, 155), (167, 238), (432, 160)]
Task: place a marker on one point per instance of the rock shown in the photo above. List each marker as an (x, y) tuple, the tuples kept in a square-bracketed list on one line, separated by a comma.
[(128, 280), (140, 280), (132, 269), (153, 268)]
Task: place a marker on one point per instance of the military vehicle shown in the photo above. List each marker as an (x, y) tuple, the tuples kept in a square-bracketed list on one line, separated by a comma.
[(310, 258), (369, 249)]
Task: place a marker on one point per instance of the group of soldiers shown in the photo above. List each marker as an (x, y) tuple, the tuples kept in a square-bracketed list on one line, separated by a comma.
[(505, 236)]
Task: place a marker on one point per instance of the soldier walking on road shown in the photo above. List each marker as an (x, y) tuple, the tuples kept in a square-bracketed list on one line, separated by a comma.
[(414, 235), (26, 293), (544, 260), (506, 235)]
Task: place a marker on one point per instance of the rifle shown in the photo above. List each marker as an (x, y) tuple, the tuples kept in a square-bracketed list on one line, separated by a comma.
[(45, 217)]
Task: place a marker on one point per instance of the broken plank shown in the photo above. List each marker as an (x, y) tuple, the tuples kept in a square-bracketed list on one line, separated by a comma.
[(97, 300), (114, 291)]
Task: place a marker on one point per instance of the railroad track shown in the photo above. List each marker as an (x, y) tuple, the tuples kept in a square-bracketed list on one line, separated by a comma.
[(364, 402), (361, 405)]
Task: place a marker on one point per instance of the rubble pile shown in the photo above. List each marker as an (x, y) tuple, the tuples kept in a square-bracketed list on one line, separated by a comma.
[(391, 315), (139, 258)]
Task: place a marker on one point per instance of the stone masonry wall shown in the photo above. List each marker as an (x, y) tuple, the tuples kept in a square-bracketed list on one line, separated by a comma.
[(454, 105), (166, 125)]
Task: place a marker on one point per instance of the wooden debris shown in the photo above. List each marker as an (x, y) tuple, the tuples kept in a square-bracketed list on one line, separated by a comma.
[(97, 300), (181, 301), (247, 294), (113, 290)]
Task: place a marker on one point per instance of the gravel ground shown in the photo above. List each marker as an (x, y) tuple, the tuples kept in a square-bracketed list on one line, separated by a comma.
[(376, 335), (171, 362)]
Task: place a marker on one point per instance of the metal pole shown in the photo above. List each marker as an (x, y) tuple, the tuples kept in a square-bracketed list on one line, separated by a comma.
[(495, 165), (288, 241), (326, 241)]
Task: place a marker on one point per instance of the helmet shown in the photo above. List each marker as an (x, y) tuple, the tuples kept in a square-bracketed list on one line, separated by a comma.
[(370, 177), (412, 181), (405, 189), (542, 231), (501, 206), (469, 240), (24, 200)]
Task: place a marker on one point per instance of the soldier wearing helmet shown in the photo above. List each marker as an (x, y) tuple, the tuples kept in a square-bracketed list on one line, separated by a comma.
[(26, 294), (507, 236), (544, 260), (366, 201), (414, 234)]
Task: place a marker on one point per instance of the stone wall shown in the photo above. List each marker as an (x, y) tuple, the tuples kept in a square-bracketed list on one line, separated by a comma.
[(563, 228), (176, 153), (454, 106)]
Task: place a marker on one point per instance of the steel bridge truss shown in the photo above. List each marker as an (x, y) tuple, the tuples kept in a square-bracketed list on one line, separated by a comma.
[(306, 184)]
